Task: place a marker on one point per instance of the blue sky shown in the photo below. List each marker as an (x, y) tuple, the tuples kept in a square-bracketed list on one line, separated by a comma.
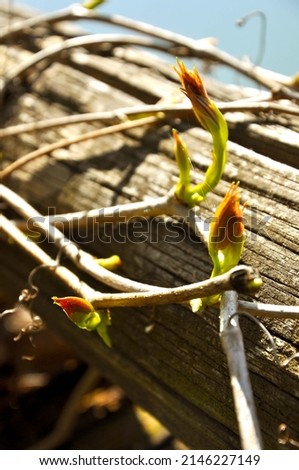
[(215, 18)]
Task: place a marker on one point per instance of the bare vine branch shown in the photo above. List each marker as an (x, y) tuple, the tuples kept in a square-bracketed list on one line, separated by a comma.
[(34, 251), (72, 140), (160, 296), (111, 117), (179, 45), (269, 310), (233, 346), (135, 294), (18, 72), (79, 257), (182, 111), (262, 43), (160, 206)]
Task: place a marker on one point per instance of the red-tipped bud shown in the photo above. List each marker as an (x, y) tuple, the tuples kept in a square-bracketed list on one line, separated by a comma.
[(212, 120), (226, 237), (82, 313)]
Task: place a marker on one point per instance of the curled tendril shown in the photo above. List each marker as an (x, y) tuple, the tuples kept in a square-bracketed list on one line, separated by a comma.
[(8, 311), (32, 292), (286, 362), (34, 326), (29, 293), (262, 41), (273, 348)]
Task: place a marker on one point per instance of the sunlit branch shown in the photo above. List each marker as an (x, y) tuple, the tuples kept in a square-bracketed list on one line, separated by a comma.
[(47, 149), (182, 46), (233, 346)]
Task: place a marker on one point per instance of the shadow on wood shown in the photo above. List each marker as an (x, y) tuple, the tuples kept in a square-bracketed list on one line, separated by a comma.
[(177, 371)]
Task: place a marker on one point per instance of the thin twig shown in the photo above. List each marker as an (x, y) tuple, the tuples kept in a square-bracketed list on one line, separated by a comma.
[(233, 346), (262, 43), (120, 213), (19, 27), (38, 255), (112, 117), (183, 45), (87, 263), (160, 296), (192, 219), (87, 41), (273, 347), (165, 205), (269, 310), (113, 214), (79, 257), (180, 294), (118, 281), (176, 111), (47, 149)]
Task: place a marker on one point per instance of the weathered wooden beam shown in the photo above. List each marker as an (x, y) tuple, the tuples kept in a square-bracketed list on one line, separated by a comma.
[(177, 371)]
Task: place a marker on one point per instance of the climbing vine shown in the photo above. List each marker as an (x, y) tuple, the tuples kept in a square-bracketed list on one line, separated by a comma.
[(90, 309)]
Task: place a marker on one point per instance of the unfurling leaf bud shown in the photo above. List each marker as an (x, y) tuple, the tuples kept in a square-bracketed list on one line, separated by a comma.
[(226, 234), (82, 313), (91, 4), (212, 120), (182, 158), (226, 240), (183, 189), (111, 263)]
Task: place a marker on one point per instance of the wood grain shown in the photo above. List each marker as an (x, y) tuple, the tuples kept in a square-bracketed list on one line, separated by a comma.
[(178, 370)]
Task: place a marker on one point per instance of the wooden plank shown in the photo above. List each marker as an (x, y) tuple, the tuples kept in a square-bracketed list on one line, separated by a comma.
[(177, 371)]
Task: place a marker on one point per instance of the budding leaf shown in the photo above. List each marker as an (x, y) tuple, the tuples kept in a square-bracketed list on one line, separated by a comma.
[(226, 234), (212, 120), (102, 328), (82, 313), (183, 189), (226, 240), (91, 4), (111, 263)]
